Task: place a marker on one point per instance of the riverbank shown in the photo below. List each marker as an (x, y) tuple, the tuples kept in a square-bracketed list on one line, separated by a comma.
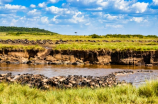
[(15, 93), (78, 57)]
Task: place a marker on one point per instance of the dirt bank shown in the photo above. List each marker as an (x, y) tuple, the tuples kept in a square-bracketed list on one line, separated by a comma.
[(79, 57)]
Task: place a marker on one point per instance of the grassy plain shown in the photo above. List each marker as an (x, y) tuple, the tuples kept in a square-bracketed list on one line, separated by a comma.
[(17, 94), (113, 46), (20, 47), (5, 35)]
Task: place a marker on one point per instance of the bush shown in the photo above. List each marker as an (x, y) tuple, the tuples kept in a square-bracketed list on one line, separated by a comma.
[(95, 36)]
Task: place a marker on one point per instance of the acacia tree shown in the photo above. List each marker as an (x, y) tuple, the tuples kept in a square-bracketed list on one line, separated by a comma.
[(76, 33)]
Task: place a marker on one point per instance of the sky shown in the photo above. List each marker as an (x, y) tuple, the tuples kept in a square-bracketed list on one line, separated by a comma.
[(83, 16)]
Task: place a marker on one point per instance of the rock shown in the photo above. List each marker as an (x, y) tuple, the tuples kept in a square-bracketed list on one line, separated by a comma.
[(77, 63), (66, 62), (56, 63), (131, 61), (24, 60), (149, 65)]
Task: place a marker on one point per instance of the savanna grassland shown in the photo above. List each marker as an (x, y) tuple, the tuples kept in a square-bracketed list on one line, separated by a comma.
[(17, 94), (114, 42)]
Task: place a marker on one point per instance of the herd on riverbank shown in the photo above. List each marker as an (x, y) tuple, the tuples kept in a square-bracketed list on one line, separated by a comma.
[(70, 81), (48, 41)]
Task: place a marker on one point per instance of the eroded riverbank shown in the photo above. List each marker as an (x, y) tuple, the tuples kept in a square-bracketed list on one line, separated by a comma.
[(79, 57)]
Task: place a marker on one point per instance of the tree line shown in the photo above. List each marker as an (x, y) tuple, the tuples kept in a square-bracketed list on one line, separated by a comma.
[(122, 36), (22, 29)]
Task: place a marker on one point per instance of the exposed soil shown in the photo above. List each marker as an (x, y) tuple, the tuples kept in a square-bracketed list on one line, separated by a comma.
[(79, 57)]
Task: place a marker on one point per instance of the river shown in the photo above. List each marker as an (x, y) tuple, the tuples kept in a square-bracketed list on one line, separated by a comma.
[(138, 78)]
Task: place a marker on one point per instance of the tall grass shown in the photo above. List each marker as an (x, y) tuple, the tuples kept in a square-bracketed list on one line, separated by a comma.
[(123, 45), (38, 35), (17, 94), (109, 46), (20, 47)]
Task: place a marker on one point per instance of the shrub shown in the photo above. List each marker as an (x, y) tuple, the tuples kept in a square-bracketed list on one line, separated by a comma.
[(95, 36)]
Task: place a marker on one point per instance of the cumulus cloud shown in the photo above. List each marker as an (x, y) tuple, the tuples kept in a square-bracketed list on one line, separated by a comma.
[(33, 6), (44, 20), (14, 7), (155, 2), (66, 15), (56, 10), (121, 4), (53, 1), (113, 5), (33, 12), (77, 18), (140, 7), (5, 1), (54, 19), (111, 17), (42, 5), (99, 8), (137, 19), (90, 3), (113, 26)]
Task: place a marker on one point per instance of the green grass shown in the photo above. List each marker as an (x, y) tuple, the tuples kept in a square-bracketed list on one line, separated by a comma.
[(17, 94), (112, 46), (20, 47), (109, 46), (5, 36)]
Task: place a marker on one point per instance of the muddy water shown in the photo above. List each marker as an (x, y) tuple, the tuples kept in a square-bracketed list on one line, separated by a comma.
[(93, 70)]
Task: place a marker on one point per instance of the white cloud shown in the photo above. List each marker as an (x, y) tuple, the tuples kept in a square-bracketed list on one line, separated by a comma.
[(90, 2), (88, 24), (53, 1), (121, 4), (44, 20), (99, 8), (110, 17), (54, 19), (137, 19), (113, 26), (56, 10), (114, 5), (78, 17), (13, 22), (101, 3), (4, 1), (155, 2), (32, 6), (140, 7), (14, 7), (42, 5), (34, 12)]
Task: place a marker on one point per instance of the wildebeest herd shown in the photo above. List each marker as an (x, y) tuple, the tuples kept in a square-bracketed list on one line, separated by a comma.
[(61, 82), (49, 41)]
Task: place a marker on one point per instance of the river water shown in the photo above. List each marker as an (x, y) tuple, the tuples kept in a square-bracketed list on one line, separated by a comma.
[(138, 78)]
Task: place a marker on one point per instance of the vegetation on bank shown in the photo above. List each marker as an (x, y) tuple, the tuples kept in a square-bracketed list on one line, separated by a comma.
[(17, 94), (55, 36), (112, 46), (122, 36), (41, 34), (20, 47)]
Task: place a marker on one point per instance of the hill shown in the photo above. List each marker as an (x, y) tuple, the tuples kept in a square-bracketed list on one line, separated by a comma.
[(22, 29)]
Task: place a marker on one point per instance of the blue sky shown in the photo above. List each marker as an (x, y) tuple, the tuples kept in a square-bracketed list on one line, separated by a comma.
[(83, 16)]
